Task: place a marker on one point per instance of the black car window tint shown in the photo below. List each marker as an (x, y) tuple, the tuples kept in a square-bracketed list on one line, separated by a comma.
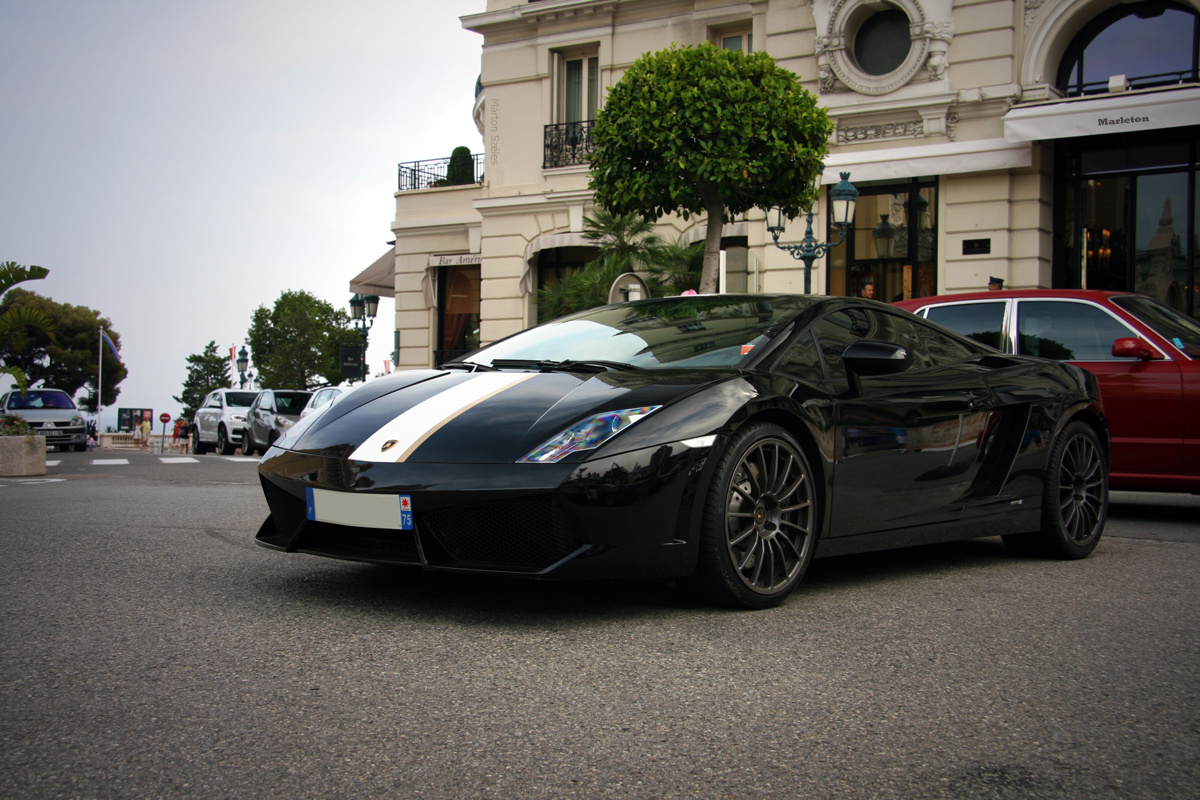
[(983, 322), (834, 333), (897, 329), (939, 347), (1067, 331), (802, 358)]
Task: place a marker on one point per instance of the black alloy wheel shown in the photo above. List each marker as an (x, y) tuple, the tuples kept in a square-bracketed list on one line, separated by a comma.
[(760, 521), (1074, 498)]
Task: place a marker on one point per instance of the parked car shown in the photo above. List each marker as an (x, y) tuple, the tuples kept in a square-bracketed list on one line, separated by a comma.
[(1145, 354), (52, 413), (721, 439), (221, 420), (271, 414), (320, 399)]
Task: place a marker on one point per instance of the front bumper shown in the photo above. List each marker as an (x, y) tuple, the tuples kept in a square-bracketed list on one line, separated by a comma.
[(631, 515), (63, 436)]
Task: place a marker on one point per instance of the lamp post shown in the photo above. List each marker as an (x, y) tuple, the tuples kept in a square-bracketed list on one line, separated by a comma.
[(362, 311), (243, 367), (843, 198)]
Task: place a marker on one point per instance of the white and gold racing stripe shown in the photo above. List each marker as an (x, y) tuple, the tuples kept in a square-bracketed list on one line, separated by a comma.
[(397, 440)]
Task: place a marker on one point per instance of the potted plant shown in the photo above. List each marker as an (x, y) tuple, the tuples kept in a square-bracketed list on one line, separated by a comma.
[(22, 452)]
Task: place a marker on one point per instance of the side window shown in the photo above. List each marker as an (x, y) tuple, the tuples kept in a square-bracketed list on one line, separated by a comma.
[(938, 347), (3, 399), (1067, 331), (213, 401), (802, 358), (983, 322), (834, 333)]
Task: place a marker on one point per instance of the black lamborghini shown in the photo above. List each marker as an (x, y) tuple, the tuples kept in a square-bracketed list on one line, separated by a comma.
[(722, 440)]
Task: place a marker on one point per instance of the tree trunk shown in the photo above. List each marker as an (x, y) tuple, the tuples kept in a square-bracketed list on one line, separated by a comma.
[(710, 273)]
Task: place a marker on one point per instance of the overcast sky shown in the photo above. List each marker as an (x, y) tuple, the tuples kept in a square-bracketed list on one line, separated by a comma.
[(175, 165)]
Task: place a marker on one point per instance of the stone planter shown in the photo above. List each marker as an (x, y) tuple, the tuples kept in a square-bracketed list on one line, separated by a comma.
[(22, 455)]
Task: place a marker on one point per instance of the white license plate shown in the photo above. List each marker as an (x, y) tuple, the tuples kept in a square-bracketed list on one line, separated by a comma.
[(387, 511)]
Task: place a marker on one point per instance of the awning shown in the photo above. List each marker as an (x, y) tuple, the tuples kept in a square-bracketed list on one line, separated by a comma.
[(379, 278), (1089, 116), (978, 155)]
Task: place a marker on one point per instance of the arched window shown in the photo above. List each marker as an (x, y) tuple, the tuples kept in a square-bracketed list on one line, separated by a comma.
[(1151, 43)]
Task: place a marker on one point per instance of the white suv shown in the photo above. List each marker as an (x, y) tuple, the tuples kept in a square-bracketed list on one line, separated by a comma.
[(220, 421)]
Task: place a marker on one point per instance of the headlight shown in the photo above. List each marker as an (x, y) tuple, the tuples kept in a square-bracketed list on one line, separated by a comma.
[(78, 422), (586, 435), (238, 417)]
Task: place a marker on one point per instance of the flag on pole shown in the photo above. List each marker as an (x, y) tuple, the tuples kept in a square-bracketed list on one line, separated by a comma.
[(111, 346)]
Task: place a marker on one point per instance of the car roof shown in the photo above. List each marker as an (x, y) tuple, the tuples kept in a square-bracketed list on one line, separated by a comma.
[(1094, 295)]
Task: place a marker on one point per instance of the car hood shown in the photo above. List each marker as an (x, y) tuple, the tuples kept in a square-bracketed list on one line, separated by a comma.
[(40, 415), (435, 416)]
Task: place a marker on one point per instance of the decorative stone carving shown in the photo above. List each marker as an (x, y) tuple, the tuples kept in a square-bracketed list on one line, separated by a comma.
[(889, 130), (1031, 9), (929, 48)]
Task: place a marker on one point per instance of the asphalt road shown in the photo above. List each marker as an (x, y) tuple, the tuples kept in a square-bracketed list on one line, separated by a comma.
[(148, 649)]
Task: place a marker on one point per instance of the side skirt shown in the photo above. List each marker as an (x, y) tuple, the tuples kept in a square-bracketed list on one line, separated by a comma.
[(1024, 520)]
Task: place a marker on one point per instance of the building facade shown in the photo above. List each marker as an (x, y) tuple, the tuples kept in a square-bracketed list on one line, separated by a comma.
[(1050, 143)]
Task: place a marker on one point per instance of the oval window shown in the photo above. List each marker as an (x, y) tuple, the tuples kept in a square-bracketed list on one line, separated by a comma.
[(883, 42)]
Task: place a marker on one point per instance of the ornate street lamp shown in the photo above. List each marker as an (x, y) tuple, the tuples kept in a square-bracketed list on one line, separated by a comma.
[(842, 199), (362, 311), (885, 237), (243, 366)]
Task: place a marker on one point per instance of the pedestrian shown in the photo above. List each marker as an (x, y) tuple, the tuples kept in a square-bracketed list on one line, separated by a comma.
[(91, 443), (146, 432), (869, 291), (182, 431), (137, 434)]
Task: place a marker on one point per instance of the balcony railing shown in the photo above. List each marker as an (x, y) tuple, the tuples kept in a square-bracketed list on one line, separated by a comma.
[(438, 172), (568, 143)]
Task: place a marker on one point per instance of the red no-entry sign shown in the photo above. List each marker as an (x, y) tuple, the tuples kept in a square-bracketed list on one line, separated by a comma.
[(164, 418)]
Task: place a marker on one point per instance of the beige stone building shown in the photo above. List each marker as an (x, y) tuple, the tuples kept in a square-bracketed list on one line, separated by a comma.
[(1044, 142)]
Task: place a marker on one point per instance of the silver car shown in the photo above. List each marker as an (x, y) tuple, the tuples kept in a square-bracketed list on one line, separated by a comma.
[(220, 421), (271, 414), (52, 413)]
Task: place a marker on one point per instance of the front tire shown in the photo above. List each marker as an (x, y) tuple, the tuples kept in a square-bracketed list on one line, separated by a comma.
[(1074, 498), (223, 445), (248, 446), (198, 447), (760, 520)]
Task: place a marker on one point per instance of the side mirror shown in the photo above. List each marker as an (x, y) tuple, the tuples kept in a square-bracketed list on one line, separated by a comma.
[(876, 358), (1132, 347)]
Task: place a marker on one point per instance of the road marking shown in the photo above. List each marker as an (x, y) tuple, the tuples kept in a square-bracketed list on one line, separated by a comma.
[(183, 460), (107, 462), (240, 458), (32, 480), (53, 463)]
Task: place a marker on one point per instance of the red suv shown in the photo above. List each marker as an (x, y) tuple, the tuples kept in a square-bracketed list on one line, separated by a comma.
[(1145, 354)]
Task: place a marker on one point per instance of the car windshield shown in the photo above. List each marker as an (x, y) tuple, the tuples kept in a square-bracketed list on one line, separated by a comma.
[(37, 398), (1179, 329), (671, 332), (240, 399)]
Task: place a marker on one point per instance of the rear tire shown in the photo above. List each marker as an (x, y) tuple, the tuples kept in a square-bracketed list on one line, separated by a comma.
[(760, 520), (248, 446), (1074, 498)]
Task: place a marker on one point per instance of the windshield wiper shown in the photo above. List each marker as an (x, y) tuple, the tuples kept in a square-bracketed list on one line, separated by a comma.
[(469, 366), (570, 365)]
